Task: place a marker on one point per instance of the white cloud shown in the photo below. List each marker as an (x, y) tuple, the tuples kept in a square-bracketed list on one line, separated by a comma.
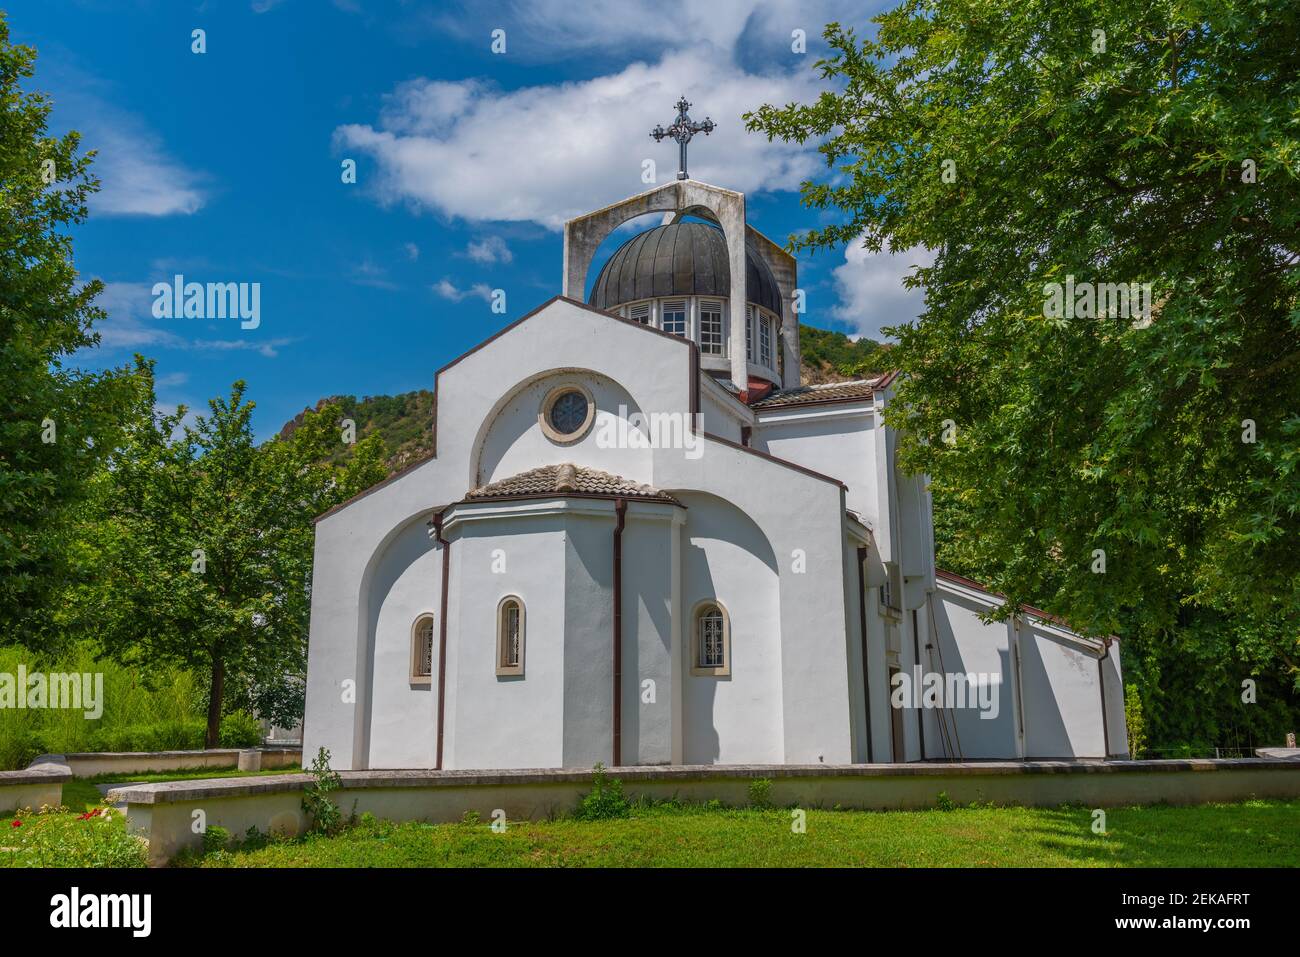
[(448, 290), (412, 251), (138, 177), (871, 291), (489, 250), (546, 153), (562, 28)]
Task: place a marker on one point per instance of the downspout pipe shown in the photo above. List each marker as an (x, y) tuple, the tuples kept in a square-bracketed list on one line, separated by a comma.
[(620, 516), (862, 624), (442, 629)]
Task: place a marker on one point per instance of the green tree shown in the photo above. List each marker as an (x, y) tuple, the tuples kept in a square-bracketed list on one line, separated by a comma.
[(1124, 141), (203, 546), (56, 423)]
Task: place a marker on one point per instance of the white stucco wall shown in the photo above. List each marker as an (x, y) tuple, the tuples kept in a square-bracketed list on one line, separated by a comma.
[(506, 721), (1056, 689), (727, 558), (836, 440), (514, 442)]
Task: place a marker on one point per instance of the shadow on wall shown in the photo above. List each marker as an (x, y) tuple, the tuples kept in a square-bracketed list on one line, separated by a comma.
[(511, 441), (399, 606), (729, 559)]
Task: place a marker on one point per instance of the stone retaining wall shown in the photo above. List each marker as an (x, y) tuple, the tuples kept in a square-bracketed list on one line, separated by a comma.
[(165, 813), (34, 786), (89, 764)]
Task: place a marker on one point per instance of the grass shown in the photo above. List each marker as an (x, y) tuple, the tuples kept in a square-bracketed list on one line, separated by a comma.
[(80, 794), (73, 836), (1249, 834)]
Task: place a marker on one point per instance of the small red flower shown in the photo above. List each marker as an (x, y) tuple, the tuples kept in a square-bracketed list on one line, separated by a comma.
[(16, 823)]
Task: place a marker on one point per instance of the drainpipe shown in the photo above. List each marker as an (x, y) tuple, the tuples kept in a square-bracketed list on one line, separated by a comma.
[(620, 512), (1101, 687), (442, 629), (916, 657), (862, 623)]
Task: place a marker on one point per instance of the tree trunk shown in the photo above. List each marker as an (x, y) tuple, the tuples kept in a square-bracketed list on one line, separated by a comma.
[(214, 705)]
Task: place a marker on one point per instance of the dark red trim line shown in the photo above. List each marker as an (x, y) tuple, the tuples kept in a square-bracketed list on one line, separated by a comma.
[(772, 458), (442, 630), (620, 510), (1027, 609)]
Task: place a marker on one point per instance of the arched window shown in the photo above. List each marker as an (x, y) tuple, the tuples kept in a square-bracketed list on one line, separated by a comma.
[(422, 650), (712, 640), (510, 636)]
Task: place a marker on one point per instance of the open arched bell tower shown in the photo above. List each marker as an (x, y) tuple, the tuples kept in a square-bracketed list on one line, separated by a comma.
[(724, 208)]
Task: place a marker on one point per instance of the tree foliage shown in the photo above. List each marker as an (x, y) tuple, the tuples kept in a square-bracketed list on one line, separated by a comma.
[(202, 547), (1125, 141), (55, 422)]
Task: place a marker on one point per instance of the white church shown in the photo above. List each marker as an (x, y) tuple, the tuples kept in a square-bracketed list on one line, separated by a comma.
[(641, 540)]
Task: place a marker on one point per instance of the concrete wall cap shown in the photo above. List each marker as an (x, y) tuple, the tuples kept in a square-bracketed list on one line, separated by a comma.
[(184, 791), (46, 772)]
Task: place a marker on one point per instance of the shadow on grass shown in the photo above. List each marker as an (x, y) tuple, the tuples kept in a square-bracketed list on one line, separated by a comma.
[(1249, 834)]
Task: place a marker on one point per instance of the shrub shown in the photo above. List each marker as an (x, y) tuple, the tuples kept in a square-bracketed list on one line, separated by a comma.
[(945, 803), (240, 730), (215, 839), (760, 792), (605, 800), (1134, 724), (326, 818)]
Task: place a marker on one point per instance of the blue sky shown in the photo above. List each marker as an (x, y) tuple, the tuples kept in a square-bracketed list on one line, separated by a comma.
[(225, 166)]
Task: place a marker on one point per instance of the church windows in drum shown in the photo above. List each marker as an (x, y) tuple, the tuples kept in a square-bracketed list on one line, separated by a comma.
[(422, 650), (510, 637), (674, 317), (749, 333), (765, 341), (639, 312), (711, 342), (712, 640)]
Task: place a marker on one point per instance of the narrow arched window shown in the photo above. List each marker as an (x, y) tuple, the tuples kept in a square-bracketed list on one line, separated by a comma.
[(510, 636), (712, 640), (422, 650)]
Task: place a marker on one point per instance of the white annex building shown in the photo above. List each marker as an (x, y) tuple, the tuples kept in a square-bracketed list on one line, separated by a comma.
[(640, 540)]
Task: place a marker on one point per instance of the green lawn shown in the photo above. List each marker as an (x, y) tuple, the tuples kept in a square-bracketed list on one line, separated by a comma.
[(1255, 833)]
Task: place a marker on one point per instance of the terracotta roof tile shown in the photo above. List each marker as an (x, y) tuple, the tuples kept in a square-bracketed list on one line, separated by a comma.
[(829, 392), (567, 479)]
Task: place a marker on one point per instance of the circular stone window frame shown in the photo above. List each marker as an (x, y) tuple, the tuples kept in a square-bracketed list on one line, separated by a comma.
[(544, 414)]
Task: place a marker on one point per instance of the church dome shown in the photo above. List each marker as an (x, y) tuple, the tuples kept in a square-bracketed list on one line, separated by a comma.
[(680, 259)]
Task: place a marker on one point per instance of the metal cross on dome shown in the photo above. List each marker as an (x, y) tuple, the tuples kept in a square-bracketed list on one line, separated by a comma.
[(682, 130)]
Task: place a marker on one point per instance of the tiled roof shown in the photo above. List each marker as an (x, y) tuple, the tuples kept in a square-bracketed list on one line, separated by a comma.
[(829, 392), (567, 479)]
